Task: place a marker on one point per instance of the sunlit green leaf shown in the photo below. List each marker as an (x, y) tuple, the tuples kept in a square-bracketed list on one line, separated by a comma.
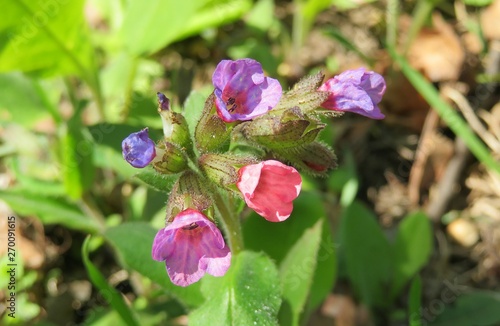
[(45, 37), (249, 294), (297, 270), (20, 101)]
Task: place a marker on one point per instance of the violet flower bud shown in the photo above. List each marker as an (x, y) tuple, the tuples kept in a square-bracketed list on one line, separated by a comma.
[(138, 149), (175, 127), (358, 91)]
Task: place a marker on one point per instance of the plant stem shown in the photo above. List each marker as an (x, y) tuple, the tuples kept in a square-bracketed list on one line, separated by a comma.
[(231, 222)]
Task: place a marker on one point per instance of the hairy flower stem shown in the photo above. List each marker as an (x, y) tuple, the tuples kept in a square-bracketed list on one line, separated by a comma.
[(229, 218)]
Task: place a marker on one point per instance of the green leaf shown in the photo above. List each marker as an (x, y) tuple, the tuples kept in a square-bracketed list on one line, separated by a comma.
[(45, 38), (367, 254), (144, 18), (415, 302), (412, 249), (297, 270), (261, 16), (77, 158), (20, 101), (49, 210), (157, 181), (326, 269), (133, 243), (114, 298), (249, 294), (260, 235), (478, 3), (476, 308)]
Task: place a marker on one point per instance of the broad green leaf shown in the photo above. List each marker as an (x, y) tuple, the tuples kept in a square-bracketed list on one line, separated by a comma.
[(49, 210), (114, 298), (133, 243), (213, 14), (45, 38), (143, 20), (476, 308), (157, 181), (415, 302), (297, 270), (368, 254), (261, 16), (412, 249), (77, 158), (326, 269), (260, 235), (249, 294), (20, 101)]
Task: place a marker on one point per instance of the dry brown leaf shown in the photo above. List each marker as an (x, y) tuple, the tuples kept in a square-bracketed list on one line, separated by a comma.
[(437, 52)]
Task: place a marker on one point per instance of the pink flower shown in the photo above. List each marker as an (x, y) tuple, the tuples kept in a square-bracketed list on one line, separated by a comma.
[(242, 92), (356, 91), (191, 246), (269, 188)]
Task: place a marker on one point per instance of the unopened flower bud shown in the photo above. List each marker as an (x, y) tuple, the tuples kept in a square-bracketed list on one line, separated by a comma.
[(315, 158), (304, 95), (138, 149), (169, 159), (211, 131), (291, 129), (175, 128), (222, 169)]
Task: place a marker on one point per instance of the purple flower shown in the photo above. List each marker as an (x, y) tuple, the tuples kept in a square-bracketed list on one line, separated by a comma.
[(138, 149), (356, 91), (242, 92), (191, 246)]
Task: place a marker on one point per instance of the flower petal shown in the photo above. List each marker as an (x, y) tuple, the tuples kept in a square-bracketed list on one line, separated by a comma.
[(191, 246), (269, 188), (356, 91)]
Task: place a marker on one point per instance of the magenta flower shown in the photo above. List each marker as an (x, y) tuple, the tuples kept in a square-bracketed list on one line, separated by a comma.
[(269, 188), (242, 92), (138, 149), (191, 246), (356, 91)]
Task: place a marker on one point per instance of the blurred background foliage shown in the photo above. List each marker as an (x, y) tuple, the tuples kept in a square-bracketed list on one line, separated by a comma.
[(404, 232)]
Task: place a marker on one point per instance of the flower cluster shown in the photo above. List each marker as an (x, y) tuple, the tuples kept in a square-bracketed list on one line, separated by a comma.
[(250, 141)]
